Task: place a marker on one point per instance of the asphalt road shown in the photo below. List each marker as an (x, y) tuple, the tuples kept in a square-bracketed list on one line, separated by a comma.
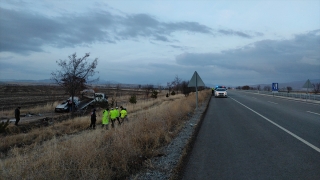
[(251, 136)]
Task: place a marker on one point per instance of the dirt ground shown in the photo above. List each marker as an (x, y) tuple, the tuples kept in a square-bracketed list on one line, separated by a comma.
[(12, 96)]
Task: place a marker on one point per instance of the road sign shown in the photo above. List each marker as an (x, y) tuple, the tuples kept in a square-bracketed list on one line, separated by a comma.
[(275, 87), (196, 81), (307, 84)]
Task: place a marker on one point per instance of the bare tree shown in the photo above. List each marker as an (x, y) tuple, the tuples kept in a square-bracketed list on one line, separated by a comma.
[(258, 87), (246, 87), (108, 88), (176, 83), (185, 89), (169, 85), (147, 89), (267, 88), (289, 89), (316, 88), (159, 88), (73, 75), (118, 90)]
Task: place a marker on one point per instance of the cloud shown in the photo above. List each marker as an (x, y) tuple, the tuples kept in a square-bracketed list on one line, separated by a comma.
[(248, 35), (237, 33), (24, 32), (293, 57)]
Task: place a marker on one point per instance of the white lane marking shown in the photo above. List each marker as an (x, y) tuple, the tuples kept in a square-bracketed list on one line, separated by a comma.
[(282, 128), (303, 101), (272, 102), (313, 113)]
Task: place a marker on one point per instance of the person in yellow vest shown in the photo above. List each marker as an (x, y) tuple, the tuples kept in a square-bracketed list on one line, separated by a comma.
[(118, 114), (113, 116), (123, 114), (105, 118)]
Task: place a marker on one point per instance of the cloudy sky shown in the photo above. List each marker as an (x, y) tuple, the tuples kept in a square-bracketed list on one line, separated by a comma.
[(150, 42)]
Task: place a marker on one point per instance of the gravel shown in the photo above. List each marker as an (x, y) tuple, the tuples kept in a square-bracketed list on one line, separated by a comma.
[(163, 167)]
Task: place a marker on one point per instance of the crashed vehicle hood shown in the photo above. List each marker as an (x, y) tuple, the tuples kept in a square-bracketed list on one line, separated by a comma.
[(62, 105)]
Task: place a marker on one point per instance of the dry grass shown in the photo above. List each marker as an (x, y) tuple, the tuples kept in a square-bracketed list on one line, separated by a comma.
[(99, 154), (75, 125), (49, 107)]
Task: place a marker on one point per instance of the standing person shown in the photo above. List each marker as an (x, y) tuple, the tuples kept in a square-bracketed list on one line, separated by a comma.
[(93, 119), (69, 105), (17, 115), (118, 114), (123, 114), (126, 116), (113, 116), (105, 118)]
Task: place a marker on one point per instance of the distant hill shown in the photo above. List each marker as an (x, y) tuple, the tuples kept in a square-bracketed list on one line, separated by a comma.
[(296, 85), (14, 81), (49, 81)]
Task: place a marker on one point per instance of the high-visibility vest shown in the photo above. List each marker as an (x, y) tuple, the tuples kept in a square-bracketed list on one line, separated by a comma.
[(118, 112), (105, 117), (113, 114), (123, 113)]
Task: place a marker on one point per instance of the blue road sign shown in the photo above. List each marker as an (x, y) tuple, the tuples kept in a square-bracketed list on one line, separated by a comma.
[(275, 87)]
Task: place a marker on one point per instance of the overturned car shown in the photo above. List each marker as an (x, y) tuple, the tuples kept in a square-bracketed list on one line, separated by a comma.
[(67, 105)]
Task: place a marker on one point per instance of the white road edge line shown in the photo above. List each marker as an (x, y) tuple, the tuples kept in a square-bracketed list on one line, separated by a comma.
[(313, 113), (282, 128), (272, 102)]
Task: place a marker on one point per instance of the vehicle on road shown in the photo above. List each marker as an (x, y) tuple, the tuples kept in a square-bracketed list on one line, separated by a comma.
[(220, 92), (63, 107)]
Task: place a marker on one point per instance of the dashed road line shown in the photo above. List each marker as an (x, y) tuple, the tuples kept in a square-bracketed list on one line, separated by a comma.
[(313, 113), (282, 128), (272, 102)]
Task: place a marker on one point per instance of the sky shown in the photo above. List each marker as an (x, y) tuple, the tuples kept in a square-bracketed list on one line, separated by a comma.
[(227, 42)]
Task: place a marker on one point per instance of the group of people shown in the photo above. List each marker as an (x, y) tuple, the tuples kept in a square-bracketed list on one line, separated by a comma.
[(113, 115), (109, 115)]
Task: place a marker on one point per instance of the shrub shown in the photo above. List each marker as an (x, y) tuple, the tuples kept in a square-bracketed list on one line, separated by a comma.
[(3, 126), (133, 99), (154, 94)]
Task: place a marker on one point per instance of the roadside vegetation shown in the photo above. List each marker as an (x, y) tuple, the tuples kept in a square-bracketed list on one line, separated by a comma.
[(49, 107), (67, 150)]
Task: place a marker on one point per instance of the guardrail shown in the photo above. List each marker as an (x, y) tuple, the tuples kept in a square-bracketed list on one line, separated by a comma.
[(304, 96)]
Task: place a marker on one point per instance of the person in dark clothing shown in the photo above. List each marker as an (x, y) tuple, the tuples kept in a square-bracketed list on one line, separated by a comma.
[(69, 105), (17, 115), (93, 119)]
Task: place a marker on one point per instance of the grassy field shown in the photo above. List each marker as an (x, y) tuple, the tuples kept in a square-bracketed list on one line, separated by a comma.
[(67, 150)]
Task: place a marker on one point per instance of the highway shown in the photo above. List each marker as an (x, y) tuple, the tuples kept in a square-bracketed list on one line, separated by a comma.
[(252, 136)]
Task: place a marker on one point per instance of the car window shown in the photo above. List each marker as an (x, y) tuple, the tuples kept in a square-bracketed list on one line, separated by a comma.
[(221, 90)]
